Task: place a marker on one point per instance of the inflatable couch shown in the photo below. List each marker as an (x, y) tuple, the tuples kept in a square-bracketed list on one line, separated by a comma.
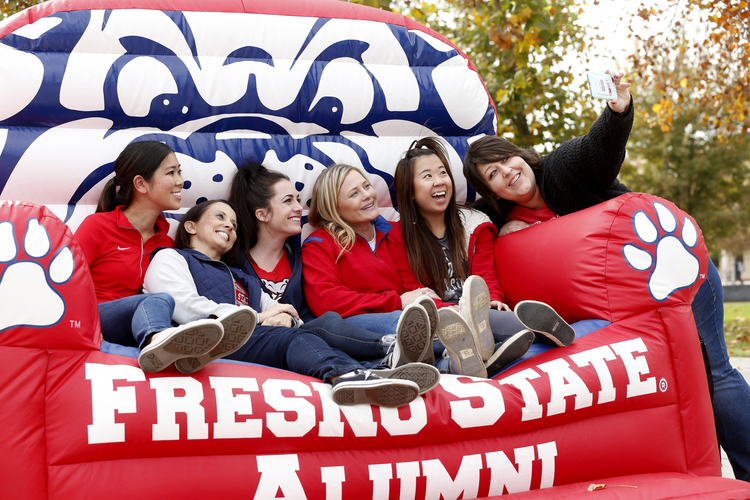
[(622, 413)]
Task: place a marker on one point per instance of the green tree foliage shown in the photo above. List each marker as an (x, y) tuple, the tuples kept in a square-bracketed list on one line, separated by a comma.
[(714, 35), (687, 163), (518, 47), (10, 7)]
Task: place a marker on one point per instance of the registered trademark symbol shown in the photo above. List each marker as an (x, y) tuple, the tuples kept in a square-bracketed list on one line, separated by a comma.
[(663, 385)]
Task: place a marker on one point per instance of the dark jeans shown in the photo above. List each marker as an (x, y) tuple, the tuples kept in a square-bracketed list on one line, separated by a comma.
[(296, 350), (353, 340), (731, 391)]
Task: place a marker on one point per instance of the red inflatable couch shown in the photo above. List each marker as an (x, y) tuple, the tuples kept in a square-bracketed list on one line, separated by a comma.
[(301, 85), (626, 406)]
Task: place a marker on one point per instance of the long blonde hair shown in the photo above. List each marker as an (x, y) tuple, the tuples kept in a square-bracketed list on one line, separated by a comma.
[(324, 211)]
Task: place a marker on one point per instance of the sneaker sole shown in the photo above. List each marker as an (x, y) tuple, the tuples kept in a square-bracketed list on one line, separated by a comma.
[(238, 327), (458, 339), (427, 377), (512, 350), (412, 334), (428, 356), (193, 340), (541, 318), (384, 392), (475, 306)]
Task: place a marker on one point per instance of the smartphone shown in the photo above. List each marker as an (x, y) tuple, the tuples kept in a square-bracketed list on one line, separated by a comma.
[(602, 86)]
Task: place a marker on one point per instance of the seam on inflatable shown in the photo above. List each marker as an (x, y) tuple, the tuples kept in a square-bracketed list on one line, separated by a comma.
[(44, 419)]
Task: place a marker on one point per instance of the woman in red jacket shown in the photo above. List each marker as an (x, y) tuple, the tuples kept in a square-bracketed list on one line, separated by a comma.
[(117, 242), (451, 250), (347, 268)]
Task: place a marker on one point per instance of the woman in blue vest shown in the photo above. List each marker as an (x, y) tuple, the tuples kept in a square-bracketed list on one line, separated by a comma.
[(202, 285)]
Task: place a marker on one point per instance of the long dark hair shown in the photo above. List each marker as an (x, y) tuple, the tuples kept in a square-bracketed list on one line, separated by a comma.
[(182, 238), (252, 188), (138, 158), (426, 257), (491, 149)]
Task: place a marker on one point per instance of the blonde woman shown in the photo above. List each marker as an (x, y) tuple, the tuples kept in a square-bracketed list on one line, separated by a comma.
[(347, 267)]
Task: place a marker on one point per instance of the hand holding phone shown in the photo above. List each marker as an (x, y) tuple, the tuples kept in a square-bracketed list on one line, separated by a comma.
[(602, 86)]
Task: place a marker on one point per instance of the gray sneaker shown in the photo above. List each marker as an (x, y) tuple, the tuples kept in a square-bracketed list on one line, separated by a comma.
[(238, 326), (364, 387), (541, 318), (474, 306), (458, 339), (412, 336), (191, 339), (427, 377), (510, 351), (432, 315)]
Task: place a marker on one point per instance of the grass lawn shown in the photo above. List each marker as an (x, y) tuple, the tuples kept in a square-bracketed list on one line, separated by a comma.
[(737, 328)]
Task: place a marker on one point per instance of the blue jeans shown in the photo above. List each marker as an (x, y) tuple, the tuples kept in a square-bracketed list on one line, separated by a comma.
[(382, 323), (731, 391), (385, 324), (355, 341), (296, 350), (129, 320)]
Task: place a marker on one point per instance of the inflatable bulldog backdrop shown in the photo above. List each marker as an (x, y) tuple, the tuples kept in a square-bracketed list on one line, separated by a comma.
[(301, 85), (298, 92)]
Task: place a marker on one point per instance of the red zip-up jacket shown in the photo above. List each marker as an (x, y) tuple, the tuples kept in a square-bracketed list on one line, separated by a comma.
[(360, 282), (480, 250), (116, 254)]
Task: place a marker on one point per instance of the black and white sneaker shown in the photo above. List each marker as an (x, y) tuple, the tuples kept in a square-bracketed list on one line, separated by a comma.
[(427, 377), (191, 339), (474, 306), (511, 350), (432, 314), (364, 387), (413, 337), (541, 318), (238, 326), (458, 339)]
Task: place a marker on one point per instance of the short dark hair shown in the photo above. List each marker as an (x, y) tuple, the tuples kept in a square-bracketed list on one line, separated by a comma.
[(490, 149)]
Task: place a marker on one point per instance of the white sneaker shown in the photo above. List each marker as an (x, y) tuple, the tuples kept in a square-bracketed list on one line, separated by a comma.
[(432, 315), (474, 306), (192, 339), (458, 339), (412, 336), (238, 326)]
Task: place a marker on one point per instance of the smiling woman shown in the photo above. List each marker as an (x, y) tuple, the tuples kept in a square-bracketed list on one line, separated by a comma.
[(117, 242), (451, 250), (203, 286)]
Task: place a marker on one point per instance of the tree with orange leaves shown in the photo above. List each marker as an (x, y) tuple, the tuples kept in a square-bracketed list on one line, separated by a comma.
[(713, 38), (10, 7)]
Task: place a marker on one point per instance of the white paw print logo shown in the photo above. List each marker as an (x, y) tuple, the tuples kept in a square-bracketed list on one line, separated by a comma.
[(672, 265), (26, 288)]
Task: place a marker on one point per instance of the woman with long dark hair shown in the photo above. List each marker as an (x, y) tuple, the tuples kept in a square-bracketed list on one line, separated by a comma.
[(451, 250), (117, 242), (269, 216)]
